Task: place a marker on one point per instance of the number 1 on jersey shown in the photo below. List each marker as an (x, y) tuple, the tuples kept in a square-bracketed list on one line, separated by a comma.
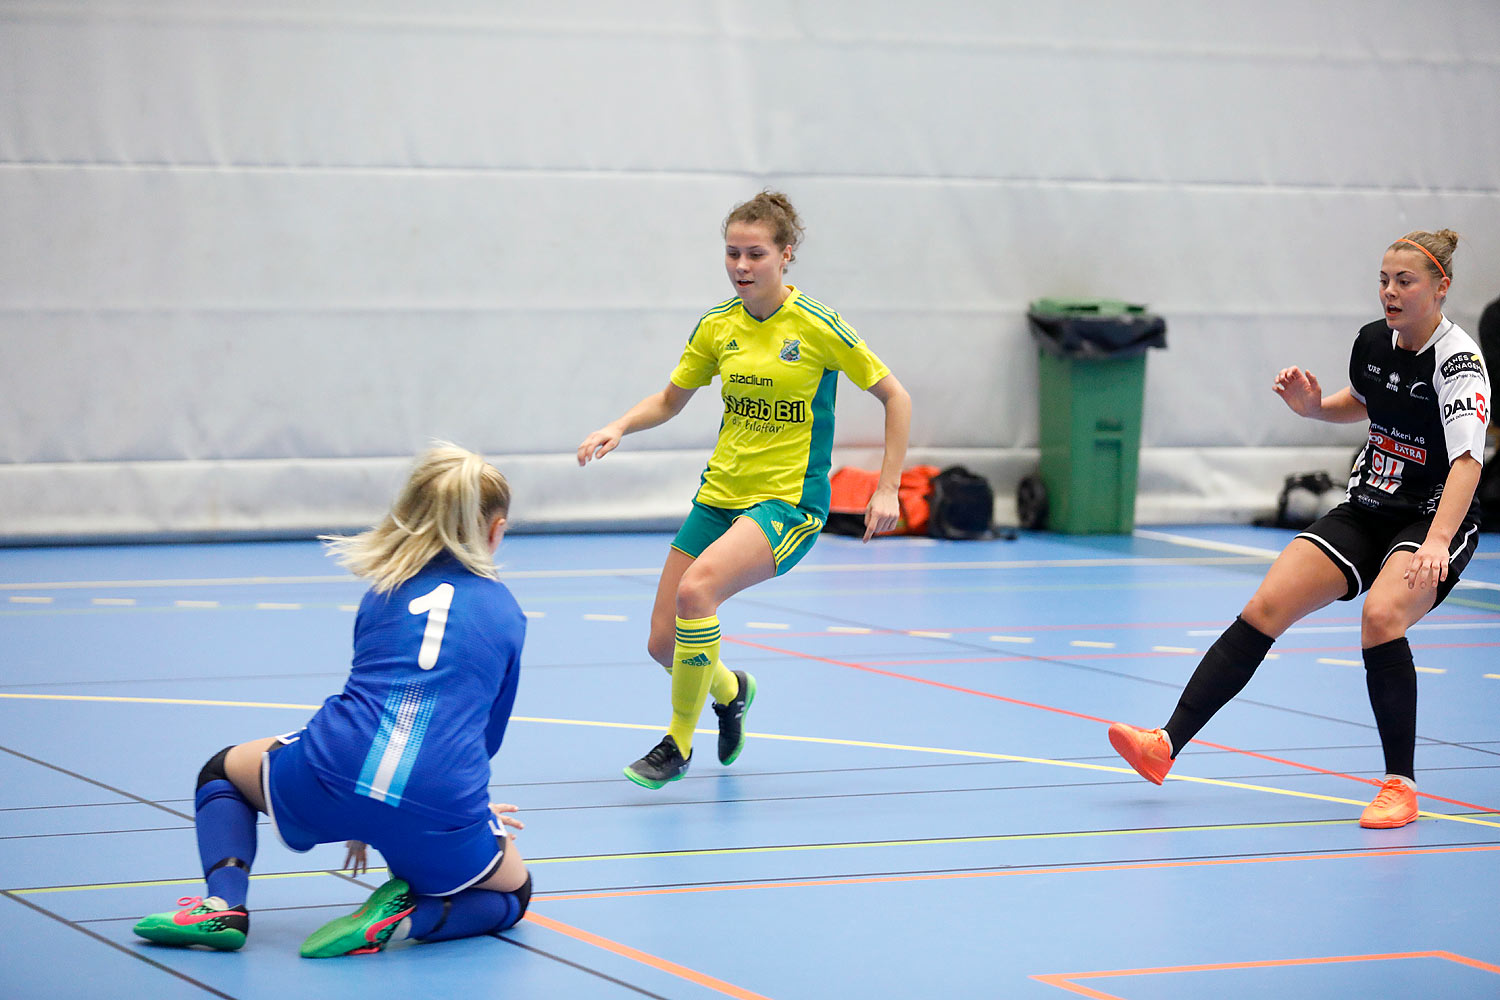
[(434, 604)]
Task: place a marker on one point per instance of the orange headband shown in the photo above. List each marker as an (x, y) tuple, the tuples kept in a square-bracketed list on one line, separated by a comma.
[(1427, 252)]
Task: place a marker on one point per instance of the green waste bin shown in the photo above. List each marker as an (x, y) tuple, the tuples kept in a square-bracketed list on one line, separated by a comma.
[(1091, 368)]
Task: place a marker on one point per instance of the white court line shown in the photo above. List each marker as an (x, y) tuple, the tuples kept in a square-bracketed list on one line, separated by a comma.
[(1249, 550), (273, 606), (779, 626), (1201, 543), (197, 604), (31, 600), (850, 630), (115, 602), (239, 581), (534, 614), (1432, 670), (1340, 663), (1012, 638), (348, 607), (1173, 649), (920, 634), (605, 618), (1090, 644)]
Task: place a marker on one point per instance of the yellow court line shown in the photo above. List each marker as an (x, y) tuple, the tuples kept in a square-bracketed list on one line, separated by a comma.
[(932, 841), (826, 741)]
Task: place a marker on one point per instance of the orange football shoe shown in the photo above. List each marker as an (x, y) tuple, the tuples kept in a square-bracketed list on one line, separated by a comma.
[(1146, 750), (1396, 805)]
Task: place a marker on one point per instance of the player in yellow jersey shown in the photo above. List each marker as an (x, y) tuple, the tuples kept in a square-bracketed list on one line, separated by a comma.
[(764, 495)]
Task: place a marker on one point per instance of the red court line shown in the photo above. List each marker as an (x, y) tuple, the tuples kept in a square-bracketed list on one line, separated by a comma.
[(1061, 980), (1088, 718), (645, 958), (939, 661), (1124, 866)]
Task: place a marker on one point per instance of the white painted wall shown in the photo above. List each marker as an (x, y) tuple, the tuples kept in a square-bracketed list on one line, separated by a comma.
[(253, 255)]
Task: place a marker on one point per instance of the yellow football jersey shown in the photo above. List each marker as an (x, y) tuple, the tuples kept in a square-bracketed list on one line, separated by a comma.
[(778, 379)]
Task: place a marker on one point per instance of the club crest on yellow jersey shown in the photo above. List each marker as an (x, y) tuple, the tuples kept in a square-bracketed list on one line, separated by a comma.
[(791, 350)]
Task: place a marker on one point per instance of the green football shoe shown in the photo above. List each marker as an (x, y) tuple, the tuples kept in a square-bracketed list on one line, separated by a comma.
[(209, 922), (367, 929)]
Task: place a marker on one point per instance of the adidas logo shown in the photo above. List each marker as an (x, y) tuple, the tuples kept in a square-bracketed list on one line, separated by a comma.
[(701, 660), (778, 526), (733, 345)]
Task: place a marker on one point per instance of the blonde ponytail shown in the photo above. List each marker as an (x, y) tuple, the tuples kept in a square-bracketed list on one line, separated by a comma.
[(447, 504)]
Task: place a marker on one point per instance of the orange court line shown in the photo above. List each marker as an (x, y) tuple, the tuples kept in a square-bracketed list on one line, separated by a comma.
[(1061, 980), (635, 955), (1081, 715), (1069, 870)]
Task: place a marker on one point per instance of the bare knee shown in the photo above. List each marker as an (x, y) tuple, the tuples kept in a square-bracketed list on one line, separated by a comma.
[(697, 596), (1266, 614), (1381, 622)]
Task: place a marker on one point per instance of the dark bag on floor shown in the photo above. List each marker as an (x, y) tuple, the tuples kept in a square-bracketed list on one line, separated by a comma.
[(1303, 499), (962, 506)]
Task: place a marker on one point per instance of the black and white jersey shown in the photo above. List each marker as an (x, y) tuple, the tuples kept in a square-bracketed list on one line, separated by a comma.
[(1426, 409)]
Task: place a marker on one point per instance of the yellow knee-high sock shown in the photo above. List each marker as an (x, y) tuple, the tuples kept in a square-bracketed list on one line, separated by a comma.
[(693, 658), (724, 685)]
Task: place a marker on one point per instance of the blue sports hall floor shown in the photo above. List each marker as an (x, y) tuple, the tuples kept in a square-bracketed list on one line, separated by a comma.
[(927, 805)]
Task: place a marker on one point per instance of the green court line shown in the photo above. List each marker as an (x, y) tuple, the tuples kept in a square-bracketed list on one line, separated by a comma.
[(1469, 602)]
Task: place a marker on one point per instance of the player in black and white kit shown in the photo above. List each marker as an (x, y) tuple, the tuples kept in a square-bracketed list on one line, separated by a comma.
[(1406, 529)]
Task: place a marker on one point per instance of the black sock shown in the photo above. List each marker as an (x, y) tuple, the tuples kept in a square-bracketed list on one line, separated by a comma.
[(1222, 673), (1391, 678)]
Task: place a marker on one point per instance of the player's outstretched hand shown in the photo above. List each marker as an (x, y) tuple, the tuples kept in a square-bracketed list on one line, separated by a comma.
[(1299, 390), (882, 513), (356, 857), (598, 444), (502, 811)]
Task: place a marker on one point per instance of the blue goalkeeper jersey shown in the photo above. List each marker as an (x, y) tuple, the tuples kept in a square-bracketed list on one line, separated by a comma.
[(436, 662)]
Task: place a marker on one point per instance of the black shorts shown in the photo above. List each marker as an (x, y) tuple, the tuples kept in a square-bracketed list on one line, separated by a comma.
[(1359, 542)]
